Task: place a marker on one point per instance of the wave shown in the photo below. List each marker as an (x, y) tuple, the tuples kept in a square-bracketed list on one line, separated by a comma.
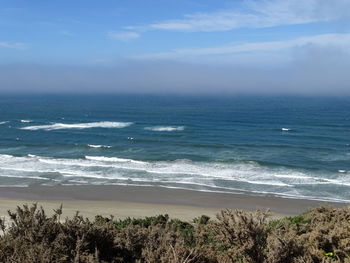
[(3, 122), (165, 128), (7, 156), (112, 159), (99, 146), (286, 129), (60, 126), (272, 183), (242, 176), (23, 177), (26, 121)]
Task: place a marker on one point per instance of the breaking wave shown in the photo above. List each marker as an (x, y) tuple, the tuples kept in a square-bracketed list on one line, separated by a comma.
[(196, 175), (112, 159), (60, 126), (99, 146), (165, 128)]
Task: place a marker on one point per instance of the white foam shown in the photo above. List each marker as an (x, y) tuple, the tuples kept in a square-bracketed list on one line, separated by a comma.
[(24, 177), (68, 162), (15, 185), (292, 176), (244, 177), (79, 181), (165, 128), (59, 126), (82, 174), (338, 182), (23, 170), (341, 171), (112, 159), (268, 182), (6, 156), (26, 121), (99, 146), (286, 129), (3, 122)]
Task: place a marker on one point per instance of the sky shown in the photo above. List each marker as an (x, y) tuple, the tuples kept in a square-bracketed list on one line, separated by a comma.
[(297, 47)]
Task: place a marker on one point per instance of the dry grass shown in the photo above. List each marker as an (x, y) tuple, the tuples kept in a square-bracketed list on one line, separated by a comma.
[(319, 235)]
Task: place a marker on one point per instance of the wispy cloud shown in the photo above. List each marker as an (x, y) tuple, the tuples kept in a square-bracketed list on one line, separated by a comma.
[(257, 14), (16, 45), (66, 33), (123, 36), (338, 40)]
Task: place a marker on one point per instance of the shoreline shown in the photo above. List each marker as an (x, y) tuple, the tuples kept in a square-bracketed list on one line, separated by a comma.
[(139, 201)]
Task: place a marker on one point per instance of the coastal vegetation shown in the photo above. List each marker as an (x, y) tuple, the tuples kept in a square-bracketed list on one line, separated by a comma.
[(319, 235)]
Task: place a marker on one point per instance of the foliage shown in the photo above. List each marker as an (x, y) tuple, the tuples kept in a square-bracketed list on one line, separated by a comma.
[(321, 235)]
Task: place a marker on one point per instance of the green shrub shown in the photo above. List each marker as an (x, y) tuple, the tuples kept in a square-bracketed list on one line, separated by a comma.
[(320, 235)]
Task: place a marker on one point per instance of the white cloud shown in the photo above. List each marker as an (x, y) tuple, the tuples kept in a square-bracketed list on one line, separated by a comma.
[(338, 40), (257, 14), (123, 36), (251, 14), (16, 45)]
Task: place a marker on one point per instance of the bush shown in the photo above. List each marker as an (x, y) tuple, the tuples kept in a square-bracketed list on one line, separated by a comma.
[(319, 235)]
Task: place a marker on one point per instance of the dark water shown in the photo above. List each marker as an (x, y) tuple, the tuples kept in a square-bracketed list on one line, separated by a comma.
[(293, 147)]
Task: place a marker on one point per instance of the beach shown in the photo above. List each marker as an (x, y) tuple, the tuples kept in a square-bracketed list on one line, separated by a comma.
[(132, 201), (175, 131)]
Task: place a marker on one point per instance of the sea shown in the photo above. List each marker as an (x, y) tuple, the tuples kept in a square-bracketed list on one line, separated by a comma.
[(291, 147)]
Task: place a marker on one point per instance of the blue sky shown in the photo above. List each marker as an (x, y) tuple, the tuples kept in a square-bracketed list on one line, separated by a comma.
[(181, 39)]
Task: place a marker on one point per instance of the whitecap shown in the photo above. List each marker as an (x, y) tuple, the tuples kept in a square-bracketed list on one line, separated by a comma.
[(112, 159), (6, 156), (3, 122), (99, 146), (59, 126), (286, 129), (26, 121), (165, 128)]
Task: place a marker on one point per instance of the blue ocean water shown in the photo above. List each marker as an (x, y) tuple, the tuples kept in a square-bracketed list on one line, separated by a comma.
[(290, 147)]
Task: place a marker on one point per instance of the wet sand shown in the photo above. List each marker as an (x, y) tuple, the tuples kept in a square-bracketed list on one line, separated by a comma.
[(134, 201)]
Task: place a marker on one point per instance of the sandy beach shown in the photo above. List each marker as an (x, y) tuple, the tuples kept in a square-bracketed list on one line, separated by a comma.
[(131, 201)]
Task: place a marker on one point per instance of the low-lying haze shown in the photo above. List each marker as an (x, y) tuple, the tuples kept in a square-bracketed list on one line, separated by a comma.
[(197, 47)]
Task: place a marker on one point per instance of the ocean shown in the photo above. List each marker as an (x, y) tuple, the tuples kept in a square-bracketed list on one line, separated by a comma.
[(292, 147)]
